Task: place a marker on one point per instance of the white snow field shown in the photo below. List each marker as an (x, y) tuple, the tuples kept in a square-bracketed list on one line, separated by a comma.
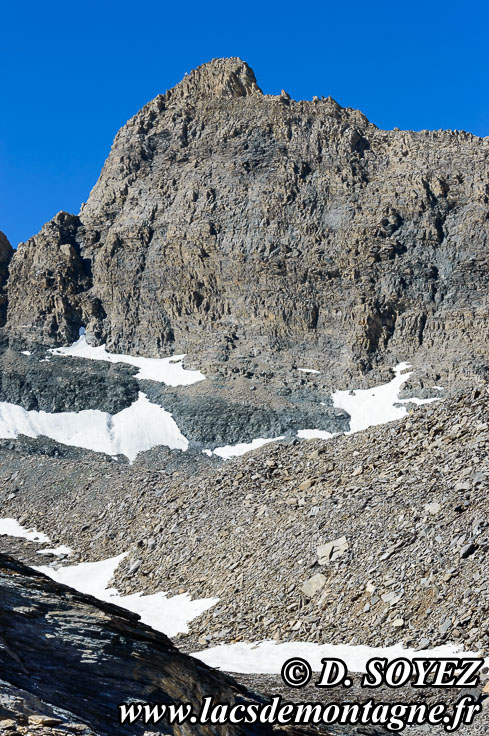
[(268, 657), (63, 549), (164, 370), (229, 451), (373, 406), (168, 615), (11, 528), (315, 434), (145, 425), (140, 427)]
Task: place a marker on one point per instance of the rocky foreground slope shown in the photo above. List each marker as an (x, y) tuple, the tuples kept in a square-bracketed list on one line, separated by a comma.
[(67, 661), (248, 230), (372, 538)]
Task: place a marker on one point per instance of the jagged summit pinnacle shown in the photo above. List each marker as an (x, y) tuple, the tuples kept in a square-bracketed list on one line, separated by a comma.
[(219, 78)]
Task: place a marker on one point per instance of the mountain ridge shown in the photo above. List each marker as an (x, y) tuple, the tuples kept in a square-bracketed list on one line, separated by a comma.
[(242, 228), (293, 253)]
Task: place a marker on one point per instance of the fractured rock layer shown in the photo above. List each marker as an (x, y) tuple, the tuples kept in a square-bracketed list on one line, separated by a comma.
[(67, 658), (227, 224)]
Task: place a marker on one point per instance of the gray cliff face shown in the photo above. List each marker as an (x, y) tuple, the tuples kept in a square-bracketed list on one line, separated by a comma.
[(56, 385), (48, 284), (228, 223)]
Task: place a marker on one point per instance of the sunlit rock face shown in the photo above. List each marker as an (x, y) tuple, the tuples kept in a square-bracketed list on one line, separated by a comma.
[(6, 253), (229, 223)]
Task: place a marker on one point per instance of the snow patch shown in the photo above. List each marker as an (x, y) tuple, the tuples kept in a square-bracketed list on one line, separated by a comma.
[(171, 616), (56, 551), (26, 352), (268, 657), (229, 451), (140, 427), (11, 528), (164, 370), (366, 408), (373, 406), (314, 434)]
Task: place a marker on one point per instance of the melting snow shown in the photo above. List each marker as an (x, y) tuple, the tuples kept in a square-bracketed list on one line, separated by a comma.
[(168, 615), (268, 657), (314, 434), (171, 616), (228, 451), (144, 425), (140, 427), (165, 370), (12, 528), (366, 408), (56, 551), (374, 406)]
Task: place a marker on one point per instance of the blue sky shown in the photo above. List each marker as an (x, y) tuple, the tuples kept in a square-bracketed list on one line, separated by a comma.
[(73, 73)]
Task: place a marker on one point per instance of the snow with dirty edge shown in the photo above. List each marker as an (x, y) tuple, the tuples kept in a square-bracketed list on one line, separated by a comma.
[(229, 451), (137, 428), (171, 616), (268, 657), (164, 370), (373, 406), (11, 528), (145, 425)]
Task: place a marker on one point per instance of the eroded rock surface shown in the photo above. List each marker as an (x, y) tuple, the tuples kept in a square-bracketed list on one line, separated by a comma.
[(6, 253), (241, 227), (67, 659)]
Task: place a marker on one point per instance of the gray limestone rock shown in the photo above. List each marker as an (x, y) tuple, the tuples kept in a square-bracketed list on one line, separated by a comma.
[(66, 657), (229, 223)]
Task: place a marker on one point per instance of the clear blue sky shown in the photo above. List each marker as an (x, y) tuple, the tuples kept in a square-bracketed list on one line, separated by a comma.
[(73, 72)]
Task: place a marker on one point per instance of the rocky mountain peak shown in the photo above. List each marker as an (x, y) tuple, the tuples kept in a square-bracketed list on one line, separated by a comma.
[(218, 78), (234, 226)]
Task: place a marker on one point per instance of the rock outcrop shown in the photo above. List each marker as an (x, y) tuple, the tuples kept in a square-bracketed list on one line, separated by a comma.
[(230, 224), (48, 284), (68, 660)]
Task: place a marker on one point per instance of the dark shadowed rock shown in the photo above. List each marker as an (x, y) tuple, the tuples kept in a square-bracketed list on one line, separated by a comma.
[(67, 656), (6, 253)]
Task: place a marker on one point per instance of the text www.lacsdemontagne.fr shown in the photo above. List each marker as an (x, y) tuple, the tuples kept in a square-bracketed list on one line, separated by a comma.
[(393, 716)]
